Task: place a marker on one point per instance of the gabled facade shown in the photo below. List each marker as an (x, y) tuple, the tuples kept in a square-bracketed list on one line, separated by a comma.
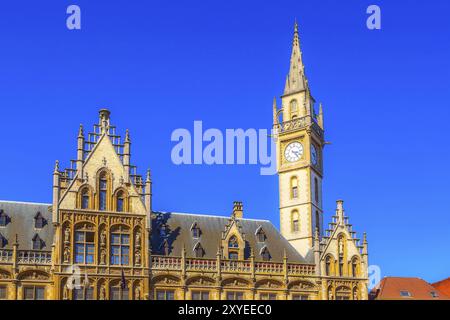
[(100, 238)]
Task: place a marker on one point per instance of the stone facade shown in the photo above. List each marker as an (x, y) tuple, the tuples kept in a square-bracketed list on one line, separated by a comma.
[(100, 238)]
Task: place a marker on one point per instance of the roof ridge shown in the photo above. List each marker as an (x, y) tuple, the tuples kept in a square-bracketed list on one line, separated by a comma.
[(26, 202), (209, 215)]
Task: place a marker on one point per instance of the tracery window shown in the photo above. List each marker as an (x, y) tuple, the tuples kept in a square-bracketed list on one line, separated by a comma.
[(328, 266), (119, 293), (233, 242), (195, 231)]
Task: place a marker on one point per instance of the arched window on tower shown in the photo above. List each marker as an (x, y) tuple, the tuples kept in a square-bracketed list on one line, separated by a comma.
[(318, 220), (103, 187), (293, 109), (316, 190), (295, 221), (294, 188)]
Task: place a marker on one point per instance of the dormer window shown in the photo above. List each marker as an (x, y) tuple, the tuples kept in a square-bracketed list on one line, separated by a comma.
[(199, 251), (434, 294), (233, 243), (3, 241), (405, 294), (195, 231), (38, 244), (260, 235), (4, 219), (39, 221), (265, 254)]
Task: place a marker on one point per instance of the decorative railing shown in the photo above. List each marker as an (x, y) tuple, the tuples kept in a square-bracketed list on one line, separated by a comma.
[(301, 269), (6, 256), (259, 267), (34, 257), (269, 267), (235, 266), (201, 265)]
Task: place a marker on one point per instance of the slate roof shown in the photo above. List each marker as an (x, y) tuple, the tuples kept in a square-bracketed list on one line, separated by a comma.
[(21, 221), (178, 232)]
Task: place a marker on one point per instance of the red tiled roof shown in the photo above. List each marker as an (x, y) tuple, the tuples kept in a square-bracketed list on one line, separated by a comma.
[(443, 286), (397, 288)]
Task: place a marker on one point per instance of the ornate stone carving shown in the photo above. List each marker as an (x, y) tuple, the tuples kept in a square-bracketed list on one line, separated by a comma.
[(66, 254), (137, 293), (102, 293)]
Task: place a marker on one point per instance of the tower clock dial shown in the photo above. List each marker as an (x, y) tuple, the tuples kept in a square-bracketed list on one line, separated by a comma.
[(314, 156), (293, 151)]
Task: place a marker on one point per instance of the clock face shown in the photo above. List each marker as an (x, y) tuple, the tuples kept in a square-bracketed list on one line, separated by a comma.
[(293, 151), (314, 157)]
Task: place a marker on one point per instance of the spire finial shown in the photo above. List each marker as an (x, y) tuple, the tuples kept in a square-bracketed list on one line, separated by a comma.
[(56, 166), (127, 136), (149, 175), (80, 131)]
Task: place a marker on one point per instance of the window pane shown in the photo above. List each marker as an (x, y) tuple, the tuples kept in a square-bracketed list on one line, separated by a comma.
[(40, 293), (125, 239), (102, 200), (196, 295), (115, 239), (79, 236), (2, 293), (29, 293), (120, 205), (78, 294), (125, 294), (160, 295), (90, 294), (115, 294), (85, 202), (170, 295), (205, 295), (90, 236)]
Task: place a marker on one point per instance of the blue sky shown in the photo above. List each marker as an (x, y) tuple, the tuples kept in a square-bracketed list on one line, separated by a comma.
[(161, 65)]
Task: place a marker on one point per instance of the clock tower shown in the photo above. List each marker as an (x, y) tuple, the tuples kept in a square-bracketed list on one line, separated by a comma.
[(299, 137)]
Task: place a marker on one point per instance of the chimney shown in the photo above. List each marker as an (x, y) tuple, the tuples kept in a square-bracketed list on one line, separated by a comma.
[(238, 210)]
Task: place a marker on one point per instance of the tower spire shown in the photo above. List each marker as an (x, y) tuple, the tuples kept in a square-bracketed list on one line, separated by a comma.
[(296, 79)]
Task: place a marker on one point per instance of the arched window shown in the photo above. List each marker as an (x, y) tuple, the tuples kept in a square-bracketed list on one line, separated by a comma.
[(318, 220), (293, 109), (85, 198), (120, 201), (103, 189), (198, 250), (295, 221), (316, 190), (355, 267), (84, 246), (119, 291), (328, 266), (120, 246), (294, 188), (265, 254)]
